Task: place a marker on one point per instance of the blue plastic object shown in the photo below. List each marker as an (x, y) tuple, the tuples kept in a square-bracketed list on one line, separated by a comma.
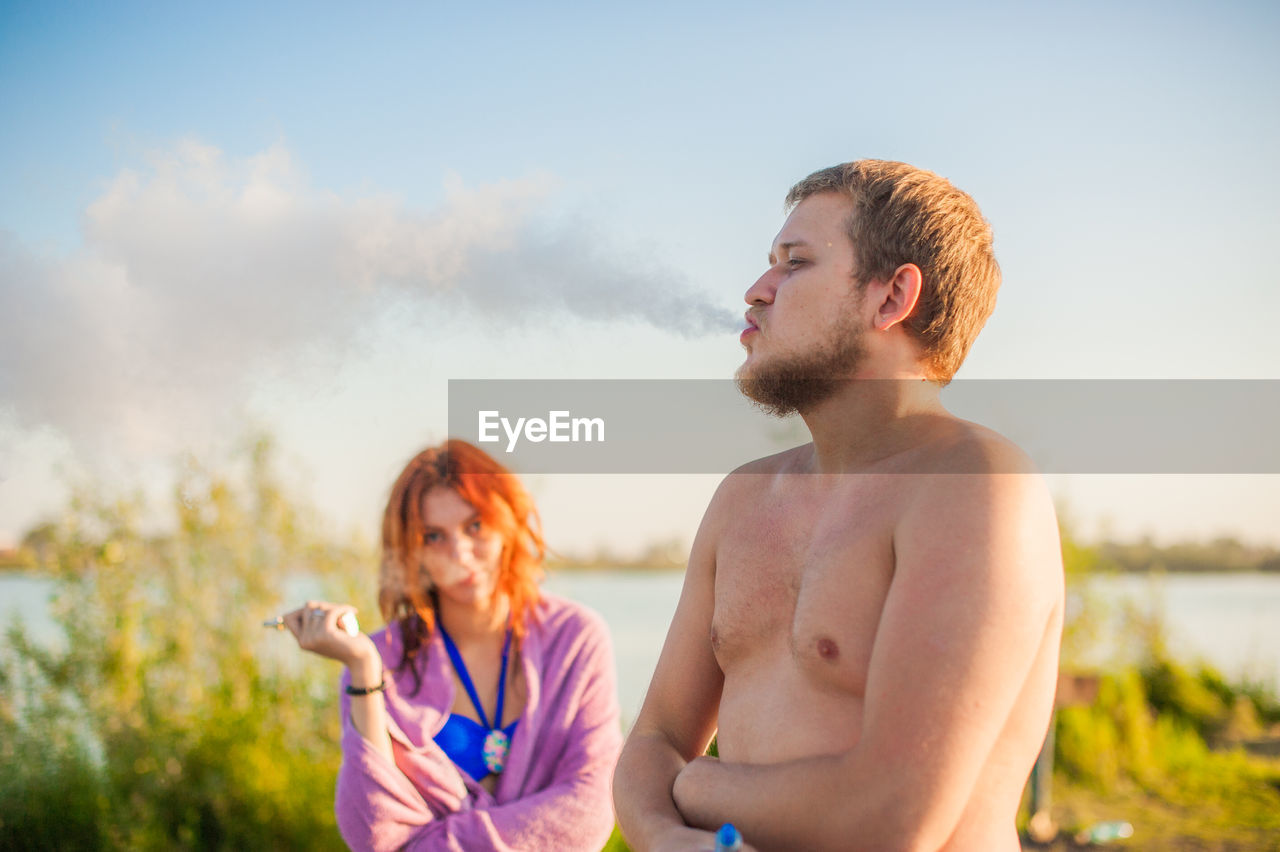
[(728, 838)]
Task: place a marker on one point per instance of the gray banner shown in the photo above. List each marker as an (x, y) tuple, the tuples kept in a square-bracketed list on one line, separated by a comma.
[(706, 426)]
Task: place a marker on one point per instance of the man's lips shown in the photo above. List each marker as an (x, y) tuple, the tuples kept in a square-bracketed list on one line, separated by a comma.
[(752, 326)]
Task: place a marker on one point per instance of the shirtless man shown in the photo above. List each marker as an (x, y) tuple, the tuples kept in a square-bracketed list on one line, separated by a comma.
[(870, 622)]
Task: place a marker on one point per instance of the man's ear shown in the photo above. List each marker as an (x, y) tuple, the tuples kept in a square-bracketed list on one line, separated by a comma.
[(898, 296)]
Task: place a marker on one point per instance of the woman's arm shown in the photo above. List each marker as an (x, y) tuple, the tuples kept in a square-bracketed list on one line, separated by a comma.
[(380, 809), (574, 811), (316, 628), (369, 712)]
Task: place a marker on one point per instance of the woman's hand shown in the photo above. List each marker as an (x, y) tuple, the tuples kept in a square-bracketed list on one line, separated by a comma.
[(316, 628)]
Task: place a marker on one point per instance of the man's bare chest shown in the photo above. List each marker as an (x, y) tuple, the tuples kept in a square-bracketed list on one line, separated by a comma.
[(801, 579)]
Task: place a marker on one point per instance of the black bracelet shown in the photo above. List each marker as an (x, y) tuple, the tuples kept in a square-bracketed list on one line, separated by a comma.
[(366, 690)]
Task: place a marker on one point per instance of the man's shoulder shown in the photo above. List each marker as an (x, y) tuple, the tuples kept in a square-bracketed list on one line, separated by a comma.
[(747, 483), (977, 470), (982, 489), (760, 473), (964, 447)]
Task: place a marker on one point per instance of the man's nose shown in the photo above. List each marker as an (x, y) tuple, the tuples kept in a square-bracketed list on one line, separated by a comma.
[(761, 292)]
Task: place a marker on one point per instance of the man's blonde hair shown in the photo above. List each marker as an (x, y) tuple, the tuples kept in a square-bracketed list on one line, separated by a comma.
[(902, 214)]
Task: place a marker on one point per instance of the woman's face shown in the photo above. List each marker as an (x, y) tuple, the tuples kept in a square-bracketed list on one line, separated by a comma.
[(460, 555)]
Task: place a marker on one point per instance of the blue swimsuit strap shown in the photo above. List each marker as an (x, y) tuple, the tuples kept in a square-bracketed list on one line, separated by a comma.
[(461, 668)]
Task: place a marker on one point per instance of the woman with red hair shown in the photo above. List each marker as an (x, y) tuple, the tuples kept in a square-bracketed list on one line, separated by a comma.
[(485, 715)]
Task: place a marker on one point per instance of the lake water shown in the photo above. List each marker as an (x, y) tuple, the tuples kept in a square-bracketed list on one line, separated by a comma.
[(1231, 621)]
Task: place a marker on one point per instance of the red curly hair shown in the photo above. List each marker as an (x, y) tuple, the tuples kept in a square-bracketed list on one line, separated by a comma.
[(502, 504)]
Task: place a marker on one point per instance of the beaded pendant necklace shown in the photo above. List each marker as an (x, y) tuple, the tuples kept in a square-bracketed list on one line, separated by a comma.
[(496, 742)]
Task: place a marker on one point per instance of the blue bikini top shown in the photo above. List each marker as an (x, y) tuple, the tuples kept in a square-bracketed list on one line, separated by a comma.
[(477, 748)]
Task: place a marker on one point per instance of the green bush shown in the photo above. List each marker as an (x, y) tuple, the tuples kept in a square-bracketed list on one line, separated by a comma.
[(1151, 731), (168, 718)]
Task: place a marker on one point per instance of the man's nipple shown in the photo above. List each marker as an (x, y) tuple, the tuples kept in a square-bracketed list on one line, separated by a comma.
[(827, 649)]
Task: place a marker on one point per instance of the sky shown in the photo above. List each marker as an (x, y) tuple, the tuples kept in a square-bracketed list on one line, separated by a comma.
[(306, 219)]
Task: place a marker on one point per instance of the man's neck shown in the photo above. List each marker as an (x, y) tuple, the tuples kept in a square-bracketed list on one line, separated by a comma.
[(869, 419)]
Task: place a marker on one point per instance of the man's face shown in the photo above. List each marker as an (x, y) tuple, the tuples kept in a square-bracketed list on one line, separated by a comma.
[(804, 333)]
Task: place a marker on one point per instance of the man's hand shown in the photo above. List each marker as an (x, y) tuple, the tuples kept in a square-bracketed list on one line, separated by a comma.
[(697, 775), (686, 839)]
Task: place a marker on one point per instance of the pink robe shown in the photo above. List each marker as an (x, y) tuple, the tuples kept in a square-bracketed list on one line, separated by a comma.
[(555, 791)]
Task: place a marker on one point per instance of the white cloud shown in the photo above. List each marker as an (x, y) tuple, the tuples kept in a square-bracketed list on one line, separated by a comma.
[(201, 271)]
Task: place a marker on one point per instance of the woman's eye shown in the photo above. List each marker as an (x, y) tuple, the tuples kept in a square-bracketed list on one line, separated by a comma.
[(432, 537), (473, 527)]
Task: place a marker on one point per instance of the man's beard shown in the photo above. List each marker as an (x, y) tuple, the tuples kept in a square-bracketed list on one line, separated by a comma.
[(798, 383)]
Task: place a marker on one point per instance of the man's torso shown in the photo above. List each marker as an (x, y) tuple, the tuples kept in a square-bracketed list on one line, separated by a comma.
[(803, 568)]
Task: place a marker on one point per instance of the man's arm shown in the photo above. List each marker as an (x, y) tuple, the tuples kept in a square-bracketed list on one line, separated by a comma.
[(679, 713), (976, 594)]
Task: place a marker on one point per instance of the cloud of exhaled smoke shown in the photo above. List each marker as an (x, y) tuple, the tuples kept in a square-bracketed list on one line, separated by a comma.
[(201, 270)]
